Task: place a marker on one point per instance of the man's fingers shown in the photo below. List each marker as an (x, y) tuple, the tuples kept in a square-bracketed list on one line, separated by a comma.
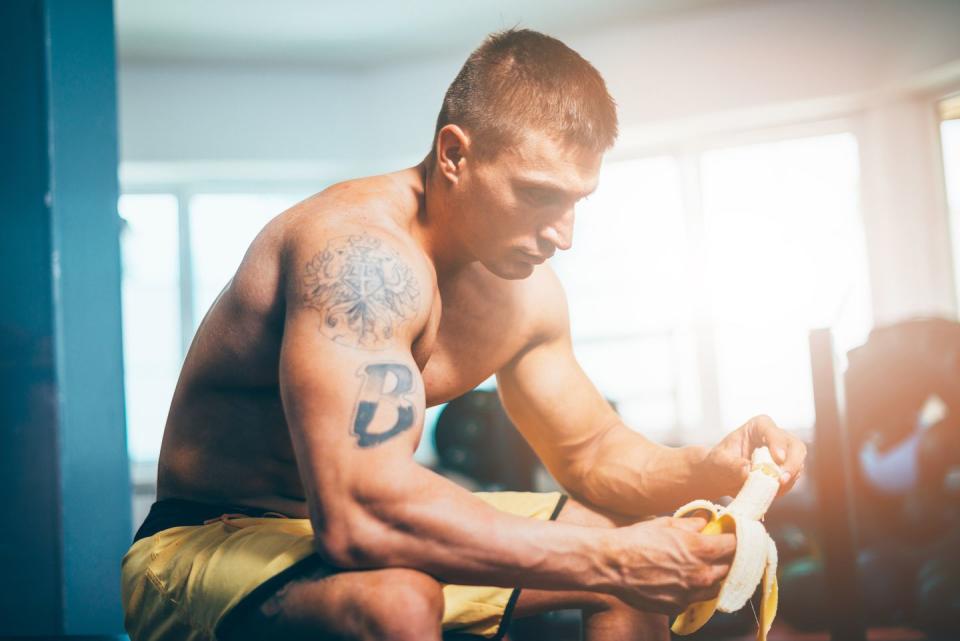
[(784, 488), (764, 430), (714, 581), (787, 450), (792, 465), (689, 523), (796, 455), (704, 594), (718, 573), (719, 547), (716, 576)]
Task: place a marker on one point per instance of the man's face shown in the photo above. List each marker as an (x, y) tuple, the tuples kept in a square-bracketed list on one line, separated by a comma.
[(517, 206)]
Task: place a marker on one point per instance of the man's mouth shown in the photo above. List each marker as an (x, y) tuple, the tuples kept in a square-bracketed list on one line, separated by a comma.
[(535, 259)]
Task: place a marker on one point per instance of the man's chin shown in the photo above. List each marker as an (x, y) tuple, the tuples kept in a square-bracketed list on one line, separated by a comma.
[(510, 269)]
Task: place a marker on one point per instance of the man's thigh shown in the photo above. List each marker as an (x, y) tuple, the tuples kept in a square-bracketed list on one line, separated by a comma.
[(577, 513), (532, 601), (350, 605), (393, 603)]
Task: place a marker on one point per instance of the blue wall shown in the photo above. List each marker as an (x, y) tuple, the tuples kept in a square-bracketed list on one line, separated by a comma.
[(63, 465)]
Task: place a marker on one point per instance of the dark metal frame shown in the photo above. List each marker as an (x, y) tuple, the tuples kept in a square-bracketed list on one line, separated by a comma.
[(845, 616)]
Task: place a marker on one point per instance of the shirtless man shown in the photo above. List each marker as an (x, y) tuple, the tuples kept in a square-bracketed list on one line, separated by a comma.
[(290, 503)]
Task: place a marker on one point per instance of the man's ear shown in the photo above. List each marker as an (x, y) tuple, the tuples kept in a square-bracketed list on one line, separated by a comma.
[(453, 145)]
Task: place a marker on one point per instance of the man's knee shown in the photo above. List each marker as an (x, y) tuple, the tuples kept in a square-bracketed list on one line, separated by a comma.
[(402, 605), (654, 627), (391, 604)]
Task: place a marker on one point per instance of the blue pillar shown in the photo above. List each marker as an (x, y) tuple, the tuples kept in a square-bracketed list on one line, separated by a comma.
[(64, 477)]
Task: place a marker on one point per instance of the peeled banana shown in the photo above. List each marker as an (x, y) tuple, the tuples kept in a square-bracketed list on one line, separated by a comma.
[(755, 560)]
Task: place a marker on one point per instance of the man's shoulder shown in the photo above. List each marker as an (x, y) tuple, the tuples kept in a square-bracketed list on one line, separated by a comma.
[(343, 248), (350, 220)]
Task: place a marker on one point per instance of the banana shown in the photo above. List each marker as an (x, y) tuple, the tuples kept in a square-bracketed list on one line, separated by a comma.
[(759, 490), (755, 560), (771, 592)]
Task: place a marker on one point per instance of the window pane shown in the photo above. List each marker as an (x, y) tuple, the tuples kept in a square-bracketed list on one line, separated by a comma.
[(785, 254), (222, 226), (950, 141), (627, 289), (151, 317)]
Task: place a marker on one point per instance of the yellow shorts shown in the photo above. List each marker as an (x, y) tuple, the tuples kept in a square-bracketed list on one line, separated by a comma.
[(180, 583)]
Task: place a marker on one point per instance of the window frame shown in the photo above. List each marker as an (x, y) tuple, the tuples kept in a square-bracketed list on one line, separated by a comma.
[(183, 192), (687, 148)]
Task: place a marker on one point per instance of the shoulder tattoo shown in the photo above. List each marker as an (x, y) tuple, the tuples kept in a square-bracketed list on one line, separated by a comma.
[(363, 288)]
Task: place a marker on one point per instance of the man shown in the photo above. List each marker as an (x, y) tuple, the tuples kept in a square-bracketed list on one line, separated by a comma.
[(290, 504)]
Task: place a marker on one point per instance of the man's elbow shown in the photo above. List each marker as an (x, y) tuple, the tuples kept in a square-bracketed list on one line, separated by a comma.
[(362, 524), (577, 479), (350, 543)]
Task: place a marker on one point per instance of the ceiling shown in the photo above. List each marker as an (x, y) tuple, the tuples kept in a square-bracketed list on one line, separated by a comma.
[(359, 33)]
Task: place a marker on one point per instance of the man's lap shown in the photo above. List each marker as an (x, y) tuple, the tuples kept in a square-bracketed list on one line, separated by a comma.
[(182, 582)]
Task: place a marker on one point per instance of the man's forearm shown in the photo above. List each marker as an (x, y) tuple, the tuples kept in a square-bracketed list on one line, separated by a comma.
[(425, 522), (630, 475)]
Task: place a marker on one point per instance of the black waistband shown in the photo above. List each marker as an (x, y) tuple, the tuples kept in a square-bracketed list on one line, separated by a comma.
[(168, 513)]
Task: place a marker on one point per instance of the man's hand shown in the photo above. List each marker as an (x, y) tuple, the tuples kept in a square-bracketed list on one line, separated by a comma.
[(727, 465), (666, 564)]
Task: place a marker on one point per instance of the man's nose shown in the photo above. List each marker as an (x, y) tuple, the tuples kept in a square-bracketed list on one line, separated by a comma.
[(559, 232)]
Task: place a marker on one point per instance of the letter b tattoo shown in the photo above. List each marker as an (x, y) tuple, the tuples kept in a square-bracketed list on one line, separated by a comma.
[(383, 413)]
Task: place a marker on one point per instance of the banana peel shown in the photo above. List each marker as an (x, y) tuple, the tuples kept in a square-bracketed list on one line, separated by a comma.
[(755, 560)]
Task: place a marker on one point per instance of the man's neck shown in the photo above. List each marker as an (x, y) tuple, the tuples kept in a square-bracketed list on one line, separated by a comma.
[(435, 226)]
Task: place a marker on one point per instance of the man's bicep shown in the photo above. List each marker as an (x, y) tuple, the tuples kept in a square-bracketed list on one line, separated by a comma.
[(352, 394), (334, 397)]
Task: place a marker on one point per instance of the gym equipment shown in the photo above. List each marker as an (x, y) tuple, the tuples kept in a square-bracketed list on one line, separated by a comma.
[(922, 519), (755, 561), (475, 437), (903, 397), (804, 602), (891, 377), (843, 609), (887, 573), (937, 453), (886, 576), (938, 590), (793, 541)]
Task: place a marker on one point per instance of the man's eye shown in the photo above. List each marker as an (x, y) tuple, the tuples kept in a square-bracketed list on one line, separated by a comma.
[(541, 198)]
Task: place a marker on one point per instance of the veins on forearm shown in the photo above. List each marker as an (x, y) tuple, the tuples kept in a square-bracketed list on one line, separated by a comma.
[(632, 475)]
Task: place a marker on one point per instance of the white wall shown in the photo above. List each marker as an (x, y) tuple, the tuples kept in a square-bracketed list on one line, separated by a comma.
[(765, 53), (227, 113), (679, 79)]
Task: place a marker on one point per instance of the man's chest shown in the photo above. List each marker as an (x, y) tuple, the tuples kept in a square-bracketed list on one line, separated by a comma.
[(473, 339)]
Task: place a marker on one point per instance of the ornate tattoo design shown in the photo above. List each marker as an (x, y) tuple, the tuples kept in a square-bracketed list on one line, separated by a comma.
[(363, 289), (383, 409)]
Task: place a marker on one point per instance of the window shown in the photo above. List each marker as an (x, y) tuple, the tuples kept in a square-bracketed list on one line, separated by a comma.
[(628, 292), (178, 254), (151, 316), (785, 254), (950, 143), (222, 226), (694, 282)]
